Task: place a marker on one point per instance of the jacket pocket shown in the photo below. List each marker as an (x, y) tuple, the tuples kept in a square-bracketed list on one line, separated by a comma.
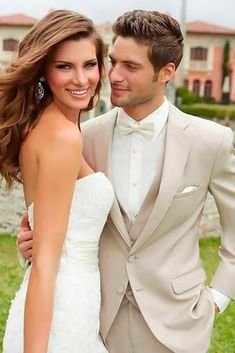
[(182, 195), (188, 281)]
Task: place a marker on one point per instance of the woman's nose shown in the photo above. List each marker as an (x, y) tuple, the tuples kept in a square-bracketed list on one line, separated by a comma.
[(80, 77)]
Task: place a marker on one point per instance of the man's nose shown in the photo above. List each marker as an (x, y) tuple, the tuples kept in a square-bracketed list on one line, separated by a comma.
[(115, 74)]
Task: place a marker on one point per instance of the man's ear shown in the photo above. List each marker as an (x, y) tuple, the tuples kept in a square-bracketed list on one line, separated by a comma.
[(167, 72)]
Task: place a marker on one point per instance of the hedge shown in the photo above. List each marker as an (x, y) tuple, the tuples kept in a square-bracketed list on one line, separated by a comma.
[(210, 111)]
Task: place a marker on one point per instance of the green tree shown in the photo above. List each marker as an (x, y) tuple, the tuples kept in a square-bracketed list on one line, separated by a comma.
[(225, 73), (186, 97), (225, 69)]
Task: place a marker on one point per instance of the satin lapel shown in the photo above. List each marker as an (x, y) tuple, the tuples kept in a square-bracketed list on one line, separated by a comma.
[(102, 151), (102, 141), (176, 153)]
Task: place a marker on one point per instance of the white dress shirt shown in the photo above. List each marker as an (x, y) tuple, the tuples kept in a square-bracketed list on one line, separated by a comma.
[(135, 160), (134, 164)]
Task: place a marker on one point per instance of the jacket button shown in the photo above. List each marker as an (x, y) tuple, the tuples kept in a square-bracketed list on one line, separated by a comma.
[(131, 258), (120, 290)]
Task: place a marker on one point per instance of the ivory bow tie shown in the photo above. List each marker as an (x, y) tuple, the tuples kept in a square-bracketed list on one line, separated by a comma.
[(126, 127)]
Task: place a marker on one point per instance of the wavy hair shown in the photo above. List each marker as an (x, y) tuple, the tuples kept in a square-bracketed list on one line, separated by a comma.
[(20, 108), (159, 31)]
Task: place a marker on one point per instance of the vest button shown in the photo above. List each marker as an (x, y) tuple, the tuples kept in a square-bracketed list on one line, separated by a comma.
[(120, 290), (131, 258)]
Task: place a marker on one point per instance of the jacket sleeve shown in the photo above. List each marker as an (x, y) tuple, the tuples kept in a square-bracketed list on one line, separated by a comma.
[(222, 187)]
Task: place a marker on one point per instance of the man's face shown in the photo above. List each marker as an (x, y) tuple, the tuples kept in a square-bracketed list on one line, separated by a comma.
[(135, 85)]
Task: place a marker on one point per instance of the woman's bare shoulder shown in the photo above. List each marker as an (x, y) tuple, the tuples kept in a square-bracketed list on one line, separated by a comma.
[(53, 129)]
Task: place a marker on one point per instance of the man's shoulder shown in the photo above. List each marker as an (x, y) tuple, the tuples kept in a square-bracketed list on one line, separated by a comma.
[(95, 123), (197, 124)]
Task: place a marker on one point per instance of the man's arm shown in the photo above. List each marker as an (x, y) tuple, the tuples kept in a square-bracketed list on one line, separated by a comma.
[(222, 187), (24, 241)]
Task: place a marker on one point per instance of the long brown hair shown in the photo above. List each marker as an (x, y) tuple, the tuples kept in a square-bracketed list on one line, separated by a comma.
[(20, 108)]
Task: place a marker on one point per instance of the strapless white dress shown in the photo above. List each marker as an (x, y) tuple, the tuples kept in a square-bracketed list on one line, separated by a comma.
[(75, 324)]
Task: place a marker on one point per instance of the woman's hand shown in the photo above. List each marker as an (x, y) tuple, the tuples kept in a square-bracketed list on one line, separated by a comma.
[(25, 238)]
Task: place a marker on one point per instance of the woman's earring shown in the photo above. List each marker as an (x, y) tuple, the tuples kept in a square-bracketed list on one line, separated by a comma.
[(93, 94), (40, 89)]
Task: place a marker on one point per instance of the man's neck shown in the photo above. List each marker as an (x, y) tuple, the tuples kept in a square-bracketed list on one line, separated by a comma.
[(140, 112)]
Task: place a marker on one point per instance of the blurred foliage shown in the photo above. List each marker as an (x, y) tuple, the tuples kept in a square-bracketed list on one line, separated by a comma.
[(225, 69), (210, 111), (184, 96)]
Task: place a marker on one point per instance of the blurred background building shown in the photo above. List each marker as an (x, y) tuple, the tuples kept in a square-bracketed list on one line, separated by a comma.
[(12, 30), (207, 49)]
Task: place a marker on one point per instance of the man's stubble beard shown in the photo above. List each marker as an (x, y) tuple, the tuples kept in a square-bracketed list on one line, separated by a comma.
[(131, 102), (135, 101)]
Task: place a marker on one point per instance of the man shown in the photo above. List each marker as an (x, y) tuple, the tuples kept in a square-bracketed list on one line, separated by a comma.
[(161, 162)]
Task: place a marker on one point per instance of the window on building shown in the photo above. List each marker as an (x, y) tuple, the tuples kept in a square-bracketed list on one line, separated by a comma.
[(10, 44), (186, 83), (198, 53), (196, 87), (208, 89)]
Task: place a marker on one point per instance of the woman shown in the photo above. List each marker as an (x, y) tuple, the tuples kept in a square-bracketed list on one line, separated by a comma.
[(56, 75)]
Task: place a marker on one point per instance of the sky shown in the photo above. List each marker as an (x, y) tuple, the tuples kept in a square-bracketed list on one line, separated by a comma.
[(220, 12)]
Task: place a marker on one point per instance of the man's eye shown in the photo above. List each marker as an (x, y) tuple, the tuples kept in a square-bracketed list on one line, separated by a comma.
[(112, 63), (130, 67)]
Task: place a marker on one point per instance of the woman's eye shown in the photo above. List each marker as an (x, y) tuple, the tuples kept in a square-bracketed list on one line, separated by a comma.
[(63, 66), (92, 64)]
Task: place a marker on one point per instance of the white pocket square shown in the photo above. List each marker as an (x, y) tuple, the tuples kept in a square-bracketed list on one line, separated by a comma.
[(189, 189)]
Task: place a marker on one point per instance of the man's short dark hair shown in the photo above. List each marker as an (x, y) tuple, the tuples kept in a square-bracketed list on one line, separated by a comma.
[(160, 31)]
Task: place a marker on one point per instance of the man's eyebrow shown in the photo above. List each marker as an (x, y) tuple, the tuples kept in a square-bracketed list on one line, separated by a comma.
[(127, 61)]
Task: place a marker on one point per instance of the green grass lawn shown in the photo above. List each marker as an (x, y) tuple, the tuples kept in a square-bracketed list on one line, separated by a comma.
[(223, 340), (10, 277)]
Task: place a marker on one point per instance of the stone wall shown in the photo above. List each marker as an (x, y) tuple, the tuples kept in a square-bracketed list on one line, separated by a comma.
[(12, 207)]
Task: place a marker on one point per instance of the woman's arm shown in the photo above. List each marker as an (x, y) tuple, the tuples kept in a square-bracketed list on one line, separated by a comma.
[(59, 162)]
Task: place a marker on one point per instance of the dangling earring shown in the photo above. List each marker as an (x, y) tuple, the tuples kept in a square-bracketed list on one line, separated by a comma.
[(93, 94), (40, 89)]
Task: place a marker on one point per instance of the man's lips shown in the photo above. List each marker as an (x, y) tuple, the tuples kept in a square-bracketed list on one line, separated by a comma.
[(119, 88)]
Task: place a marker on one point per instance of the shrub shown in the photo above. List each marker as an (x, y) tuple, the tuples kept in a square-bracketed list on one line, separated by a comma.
[(210, 111), (186, 96)]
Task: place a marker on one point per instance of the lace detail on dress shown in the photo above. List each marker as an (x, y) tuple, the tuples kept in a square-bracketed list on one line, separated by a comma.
[(75, 324)]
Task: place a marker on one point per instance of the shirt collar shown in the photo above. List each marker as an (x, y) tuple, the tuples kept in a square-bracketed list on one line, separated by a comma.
[(158, 117)]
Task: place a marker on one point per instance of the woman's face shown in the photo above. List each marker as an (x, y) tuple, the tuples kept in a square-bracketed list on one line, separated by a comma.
[(72, 74)]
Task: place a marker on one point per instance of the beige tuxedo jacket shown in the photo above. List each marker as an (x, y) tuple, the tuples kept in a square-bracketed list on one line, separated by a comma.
[(163, 267)]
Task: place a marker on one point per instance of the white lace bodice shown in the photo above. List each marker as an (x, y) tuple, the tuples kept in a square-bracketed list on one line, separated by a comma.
[(92, 200)]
